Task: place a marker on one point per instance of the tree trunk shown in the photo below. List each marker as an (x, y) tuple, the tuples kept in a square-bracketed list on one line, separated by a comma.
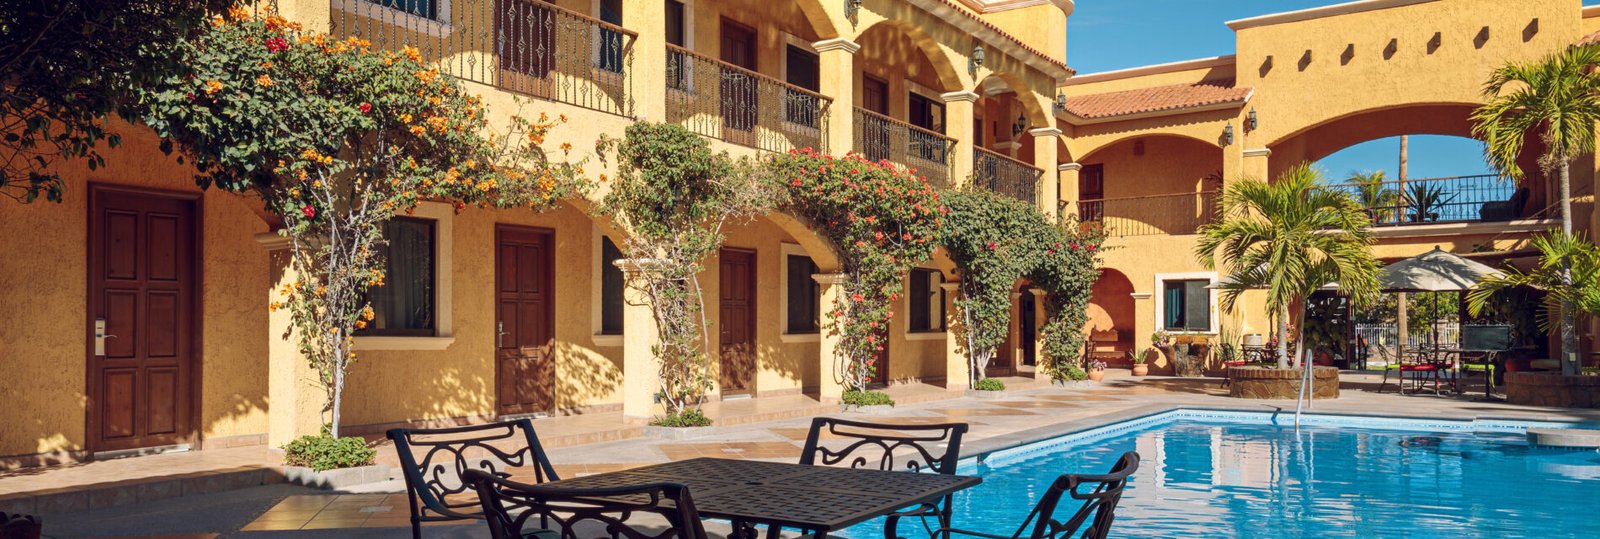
[(1283, 337), (1569, 322)]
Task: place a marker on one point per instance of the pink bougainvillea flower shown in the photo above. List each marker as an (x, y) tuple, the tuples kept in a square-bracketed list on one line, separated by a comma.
[(991, 246), (277, 44), (309, 211), (366, 108)]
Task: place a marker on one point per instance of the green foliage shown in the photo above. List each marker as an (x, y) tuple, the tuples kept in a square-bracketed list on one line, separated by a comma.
[(1381, 202), (674, 195), (1425, 201), (1070, 372), (1067, 272), (67, 66), (335, 139), (859, 397), (1140, 356), (1579, 293), (323, 452), (1289, 237), (882, 221), (989, 384), (686, 417)]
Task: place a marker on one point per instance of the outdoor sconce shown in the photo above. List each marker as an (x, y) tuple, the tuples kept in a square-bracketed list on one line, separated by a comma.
[(1250, 122), (1019, 127), (1061, 100), (977, 59), (1227, 135), (851, 7)]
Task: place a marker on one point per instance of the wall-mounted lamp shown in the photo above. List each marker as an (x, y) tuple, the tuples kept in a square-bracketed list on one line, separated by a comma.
[(1020, 126), (1061, 100), (1227, 134), (1250, 122), (977, 59), (851, 7)]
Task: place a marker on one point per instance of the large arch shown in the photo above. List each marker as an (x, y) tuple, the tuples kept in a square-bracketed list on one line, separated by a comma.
[(1037, 113), (943, 64), (1111, 317), (1312, 142), (818, 247)]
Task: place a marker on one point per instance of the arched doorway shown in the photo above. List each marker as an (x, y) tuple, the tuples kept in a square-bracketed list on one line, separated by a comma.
[(1111, 318)]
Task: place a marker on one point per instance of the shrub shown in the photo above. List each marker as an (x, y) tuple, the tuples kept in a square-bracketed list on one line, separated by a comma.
[(866, 398), (1072, 372), (687, 417), (989, 384), (323, 452)]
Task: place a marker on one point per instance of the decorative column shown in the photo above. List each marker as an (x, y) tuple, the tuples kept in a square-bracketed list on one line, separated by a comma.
[(955, 362), (1014, 339), (291, 382), (1039, 313), (641, 372), (958, 115), (830, 383), (1045, 141), (1255, 164), (836, 67), (648, 70), (1068, 184)]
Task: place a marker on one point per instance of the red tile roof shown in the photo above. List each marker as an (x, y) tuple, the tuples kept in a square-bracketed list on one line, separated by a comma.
[(953, 4), (1156, 99)]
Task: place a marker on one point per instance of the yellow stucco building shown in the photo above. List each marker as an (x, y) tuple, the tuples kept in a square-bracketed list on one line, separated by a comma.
[(505, 312)]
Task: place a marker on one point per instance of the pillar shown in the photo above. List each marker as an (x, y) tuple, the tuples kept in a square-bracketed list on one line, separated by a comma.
[(1067, 182), (830, 386), (836, 70), (958, 115), (1255, 164), (955, 362), (1014, 334), (1039, 319), (648, 69), (291, 382), (1045, 141), (641, 378)]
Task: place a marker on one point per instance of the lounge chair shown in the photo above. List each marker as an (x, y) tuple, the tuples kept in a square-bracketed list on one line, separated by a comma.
[(434, 480), (1092, 520)]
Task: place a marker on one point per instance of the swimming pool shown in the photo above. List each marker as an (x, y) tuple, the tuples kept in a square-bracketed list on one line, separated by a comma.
[(1236, 474)]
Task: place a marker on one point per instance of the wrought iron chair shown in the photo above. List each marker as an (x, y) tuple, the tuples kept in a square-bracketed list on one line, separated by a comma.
[(1419, 363), (434, 480), (1092, 520), (912, 448), (508, 506)]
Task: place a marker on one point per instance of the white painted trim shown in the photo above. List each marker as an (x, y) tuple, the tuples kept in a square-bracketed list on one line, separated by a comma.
[(837, 43), (369, 9), (1140, 295), (1526, 226), (443, 216), (1161, 300), (1320, 12), (959, 96), (273, 241), (1153, 69), (1067, 167), (785, 250), (1008, 145), (1045, 132), (1258, 152), (607, 341), (424, 344), (796, 338)]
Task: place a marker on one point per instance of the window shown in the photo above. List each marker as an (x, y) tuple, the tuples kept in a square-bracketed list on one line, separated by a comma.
[(611, 40), (926, 113), (677, 29), (404, 305), (420, 8), (678, 74), (1187, 305), (611, 283), (1091, 189), (804, 298), (802, 71), (927, 301)]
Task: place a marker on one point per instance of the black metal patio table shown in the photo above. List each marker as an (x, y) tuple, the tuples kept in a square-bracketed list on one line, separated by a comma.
[(818, 499)]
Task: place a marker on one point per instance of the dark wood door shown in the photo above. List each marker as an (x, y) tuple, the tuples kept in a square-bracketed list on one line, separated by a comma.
[(876, 135), (525, 372), (1027, 331), (1091, 189), (736, 320), (740, 100), (142, 284)]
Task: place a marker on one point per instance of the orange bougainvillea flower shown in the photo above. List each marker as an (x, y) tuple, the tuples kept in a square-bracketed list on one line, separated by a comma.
[(213, 86), (412, 53), (264, 81)]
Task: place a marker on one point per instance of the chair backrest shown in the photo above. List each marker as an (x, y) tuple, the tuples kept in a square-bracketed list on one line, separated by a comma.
[(508, 506), (434, 478), (913, 448), (1093, 519)]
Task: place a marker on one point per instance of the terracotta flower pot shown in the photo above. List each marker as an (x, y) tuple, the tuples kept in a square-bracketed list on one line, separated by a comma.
[(1140, 369), (1097, 375)]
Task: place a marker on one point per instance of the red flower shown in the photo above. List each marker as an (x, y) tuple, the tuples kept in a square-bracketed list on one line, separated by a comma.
[(992, 246), (856, 297), (1091, 247), (366, 108), (309, 211), (277, 44)]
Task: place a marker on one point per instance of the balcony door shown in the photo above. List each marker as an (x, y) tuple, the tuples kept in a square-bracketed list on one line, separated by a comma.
[(802, 70), (736, 320), (1091, 189), (525, 372), (526, 45), (740, 101), (876, 134)]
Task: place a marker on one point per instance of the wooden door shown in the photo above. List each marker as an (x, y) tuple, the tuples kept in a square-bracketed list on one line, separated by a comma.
[(1091, 189), (143, 284), (736, 320), (876, 134), (740, 100), (1028, 331), (525, 371)]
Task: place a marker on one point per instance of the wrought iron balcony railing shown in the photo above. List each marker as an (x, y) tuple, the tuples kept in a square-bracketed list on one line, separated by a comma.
[(1484, 198), (1176, 214), (1004, 175), (524, 46), (880, 138), (721, 100)]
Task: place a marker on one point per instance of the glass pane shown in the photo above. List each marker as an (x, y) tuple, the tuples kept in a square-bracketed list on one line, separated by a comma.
[(404, 305), (920, 290), (1197, 306), (611, 283), (1172, 303), (802, 294), (421, 8)]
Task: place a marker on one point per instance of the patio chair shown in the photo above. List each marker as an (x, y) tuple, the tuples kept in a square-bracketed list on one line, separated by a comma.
[(434, 482), (911, 448), (508, 506), (1092, 520), (1417, 363)]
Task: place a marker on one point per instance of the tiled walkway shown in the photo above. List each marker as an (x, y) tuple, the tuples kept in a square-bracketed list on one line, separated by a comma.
[(1022, 416)]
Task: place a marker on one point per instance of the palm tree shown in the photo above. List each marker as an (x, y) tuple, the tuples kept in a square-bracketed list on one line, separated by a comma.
[(1559, 252), (1378, 198), (1555, 97), (1290, 237)]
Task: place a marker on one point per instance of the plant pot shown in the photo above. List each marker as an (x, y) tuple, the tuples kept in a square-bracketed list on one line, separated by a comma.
[(1141, 369), (986, 394), (1097, 375), (337, 478), (1517, 365)]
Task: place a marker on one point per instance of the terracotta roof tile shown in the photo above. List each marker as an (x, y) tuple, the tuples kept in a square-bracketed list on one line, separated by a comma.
[(1036, 52), (1159, 98)]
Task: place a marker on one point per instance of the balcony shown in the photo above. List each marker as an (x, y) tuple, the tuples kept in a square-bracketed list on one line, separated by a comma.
[(1458, 199), (523, 46), (1177, 214), (721, 100), (881, 138), (1004, 175)]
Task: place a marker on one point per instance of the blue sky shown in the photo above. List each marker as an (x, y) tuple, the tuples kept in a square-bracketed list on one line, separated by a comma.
[(1103, 35)]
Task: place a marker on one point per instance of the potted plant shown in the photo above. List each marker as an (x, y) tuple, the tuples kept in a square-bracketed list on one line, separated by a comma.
[(989, 388), (1097, 370), (1140, 357), (1163, 342)]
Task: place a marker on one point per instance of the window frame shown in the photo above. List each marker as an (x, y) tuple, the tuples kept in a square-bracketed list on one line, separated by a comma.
[(938, 323), (439, 26), (1159, 296), (443, 216), (785, 251)]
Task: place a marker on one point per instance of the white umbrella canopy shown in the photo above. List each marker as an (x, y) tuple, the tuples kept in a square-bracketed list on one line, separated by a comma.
[(1434, 271)]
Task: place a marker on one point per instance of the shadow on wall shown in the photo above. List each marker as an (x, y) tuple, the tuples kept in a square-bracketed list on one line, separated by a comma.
[(585, 377)]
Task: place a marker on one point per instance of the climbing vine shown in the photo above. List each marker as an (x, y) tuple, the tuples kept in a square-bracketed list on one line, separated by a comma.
[(883, 220), (1067, 272)]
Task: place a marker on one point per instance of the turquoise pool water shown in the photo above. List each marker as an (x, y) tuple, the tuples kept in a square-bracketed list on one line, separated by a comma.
[(1221, 474)]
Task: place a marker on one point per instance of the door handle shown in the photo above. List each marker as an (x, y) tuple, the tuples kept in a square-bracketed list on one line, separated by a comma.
[(100, 336), (499, 334)]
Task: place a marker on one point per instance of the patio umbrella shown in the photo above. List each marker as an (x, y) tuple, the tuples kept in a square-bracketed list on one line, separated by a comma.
[(1434, 271)]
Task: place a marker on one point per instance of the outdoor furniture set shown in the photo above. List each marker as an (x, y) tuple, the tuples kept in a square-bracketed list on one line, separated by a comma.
[(849, 472)]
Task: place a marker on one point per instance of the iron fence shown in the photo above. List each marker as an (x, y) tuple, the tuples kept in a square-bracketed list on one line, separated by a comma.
[(880, 138), (1176, 214), (721, 100), (524, 46), (1387, 336), (1004, 175), (1485, 197)]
